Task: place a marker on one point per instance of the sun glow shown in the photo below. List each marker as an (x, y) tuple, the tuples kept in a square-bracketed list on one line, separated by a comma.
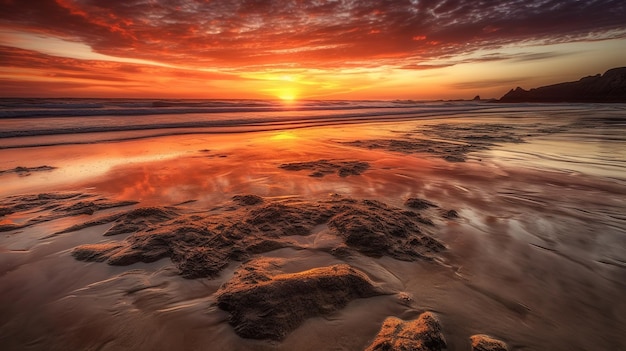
[(283, 136), (287, 96)]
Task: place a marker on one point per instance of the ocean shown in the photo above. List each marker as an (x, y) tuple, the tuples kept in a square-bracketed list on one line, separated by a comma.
[(135, 118)]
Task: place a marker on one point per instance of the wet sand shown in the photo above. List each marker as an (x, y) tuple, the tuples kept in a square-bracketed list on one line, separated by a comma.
[(511, 227)]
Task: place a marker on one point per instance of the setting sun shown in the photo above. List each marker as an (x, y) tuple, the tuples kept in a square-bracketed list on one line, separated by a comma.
[(287, 95)]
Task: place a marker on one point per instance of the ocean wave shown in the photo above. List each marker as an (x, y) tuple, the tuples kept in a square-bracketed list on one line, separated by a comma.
[(39, 108), (33, 118), (25, 128)]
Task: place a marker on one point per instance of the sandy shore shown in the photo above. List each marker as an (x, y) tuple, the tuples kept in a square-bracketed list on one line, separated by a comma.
[(463, 233)]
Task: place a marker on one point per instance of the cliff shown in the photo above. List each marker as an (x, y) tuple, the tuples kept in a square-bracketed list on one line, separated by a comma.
[(609, 87)]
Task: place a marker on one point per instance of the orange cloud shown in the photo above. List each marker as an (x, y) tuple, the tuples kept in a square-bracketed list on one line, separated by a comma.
[(192, 40)]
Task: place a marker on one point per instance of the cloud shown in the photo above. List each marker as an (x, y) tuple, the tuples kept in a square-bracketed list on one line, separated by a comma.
[(31, 73), (56, 66), (425, 66), (311, 34)]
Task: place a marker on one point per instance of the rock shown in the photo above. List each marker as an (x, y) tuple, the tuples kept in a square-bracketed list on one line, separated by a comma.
[(451, 214), (421, 334), (321, 168), (609, 87), (95, 252), (418, 204), (483, 342), (375, 229), (140, 219), (202, 244), (247, 200), (352, 168), (55, 205), (25, 171), (476, 98), (266, 304)]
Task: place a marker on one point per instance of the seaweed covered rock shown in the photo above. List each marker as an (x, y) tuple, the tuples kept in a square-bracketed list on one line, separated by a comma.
[(421, 334), (266, 304)]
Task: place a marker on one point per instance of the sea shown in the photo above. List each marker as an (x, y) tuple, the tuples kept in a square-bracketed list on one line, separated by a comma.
[(135, 118)]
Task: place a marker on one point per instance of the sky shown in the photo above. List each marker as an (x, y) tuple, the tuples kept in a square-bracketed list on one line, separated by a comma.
[(295, 49)]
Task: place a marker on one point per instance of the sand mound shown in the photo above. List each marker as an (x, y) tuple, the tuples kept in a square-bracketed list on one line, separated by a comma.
[(265, 304), (321, 168), (203, 244), (421, 334)]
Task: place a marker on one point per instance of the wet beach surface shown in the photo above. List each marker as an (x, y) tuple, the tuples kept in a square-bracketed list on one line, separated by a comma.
[(510, 226)]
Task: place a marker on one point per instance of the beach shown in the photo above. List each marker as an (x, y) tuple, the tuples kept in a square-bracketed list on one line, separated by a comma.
[(136, 224)]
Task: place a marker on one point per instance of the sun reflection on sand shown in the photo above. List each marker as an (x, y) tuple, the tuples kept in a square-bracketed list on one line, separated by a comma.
[(283, 136)]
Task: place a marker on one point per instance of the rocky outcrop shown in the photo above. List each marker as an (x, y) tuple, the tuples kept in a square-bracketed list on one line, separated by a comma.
[(609, 87), (421, 334), (483, 342), (202, 244), (266, 304)]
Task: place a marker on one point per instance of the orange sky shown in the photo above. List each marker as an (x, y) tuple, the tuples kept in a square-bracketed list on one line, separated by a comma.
[(328, 49)]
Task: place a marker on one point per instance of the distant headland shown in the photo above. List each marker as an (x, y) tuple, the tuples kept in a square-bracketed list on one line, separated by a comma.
[(609, 87)]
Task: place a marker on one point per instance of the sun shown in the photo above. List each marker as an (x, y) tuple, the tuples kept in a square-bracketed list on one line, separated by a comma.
[(287, 94), (287, 97)]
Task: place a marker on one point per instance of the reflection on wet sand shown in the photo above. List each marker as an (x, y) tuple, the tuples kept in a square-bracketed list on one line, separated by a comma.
[(535, 257)]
